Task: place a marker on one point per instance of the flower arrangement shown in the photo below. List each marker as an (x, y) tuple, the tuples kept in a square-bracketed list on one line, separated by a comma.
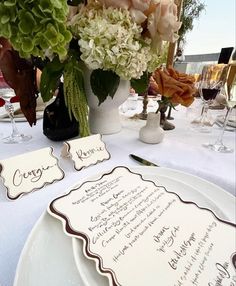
[(115, 39)]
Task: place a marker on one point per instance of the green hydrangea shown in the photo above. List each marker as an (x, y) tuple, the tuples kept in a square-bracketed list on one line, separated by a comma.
[(110, 40), (35, 27)]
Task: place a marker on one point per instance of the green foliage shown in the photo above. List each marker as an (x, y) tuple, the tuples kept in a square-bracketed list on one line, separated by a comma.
[(35, 27), (141, 85), (104, 84), (191, 10), (50, 78)]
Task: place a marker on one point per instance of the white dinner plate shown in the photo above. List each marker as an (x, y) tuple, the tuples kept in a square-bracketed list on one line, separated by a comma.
[(47, 257), (21, 118)]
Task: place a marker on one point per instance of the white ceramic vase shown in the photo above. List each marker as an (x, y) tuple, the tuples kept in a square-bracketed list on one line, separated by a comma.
[(105, 118), (152, 133)]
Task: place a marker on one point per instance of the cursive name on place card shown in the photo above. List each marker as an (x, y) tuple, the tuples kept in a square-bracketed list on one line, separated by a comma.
[(126, 220), (86, 151), (30, 171)]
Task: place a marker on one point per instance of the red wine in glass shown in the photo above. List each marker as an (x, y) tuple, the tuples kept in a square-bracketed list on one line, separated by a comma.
[(209, 93)]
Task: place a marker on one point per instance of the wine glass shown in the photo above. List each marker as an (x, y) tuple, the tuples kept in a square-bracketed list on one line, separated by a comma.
[(231, 103), (16, 136), (211, 81)]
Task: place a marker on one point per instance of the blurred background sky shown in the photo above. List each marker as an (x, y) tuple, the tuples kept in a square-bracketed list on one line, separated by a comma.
[(215, 28)]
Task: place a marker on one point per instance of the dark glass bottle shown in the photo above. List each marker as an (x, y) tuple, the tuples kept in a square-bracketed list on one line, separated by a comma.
[(57, 124)]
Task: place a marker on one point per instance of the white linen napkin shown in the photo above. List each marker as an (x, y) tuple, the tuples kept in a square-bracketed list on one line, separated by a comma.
[(195, 160)]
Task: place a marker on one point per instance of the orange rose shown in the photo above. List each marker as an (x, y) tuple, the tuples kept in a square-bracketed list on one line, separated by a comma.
[(172, 86), (182, 77)]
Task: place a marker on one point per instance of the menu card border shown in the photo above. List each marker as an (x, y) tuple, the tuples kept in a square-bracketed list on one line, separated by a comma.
[(34, 189), (68, 229), (67, 143)]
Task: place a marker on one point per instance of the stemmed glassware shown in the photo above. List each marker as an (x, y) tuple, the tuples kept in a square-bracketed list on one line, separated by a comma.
[(211, 81), (16, 136), (219, 146)]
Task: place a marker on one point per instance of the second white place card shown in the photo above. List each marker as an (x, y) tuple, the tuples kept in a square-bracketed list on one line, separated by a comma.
[(25, 173), (86, 151)]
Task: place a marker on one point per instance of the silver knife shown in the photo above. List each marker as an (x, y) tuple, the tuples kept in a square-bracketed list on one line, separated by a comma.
[(142, 161)]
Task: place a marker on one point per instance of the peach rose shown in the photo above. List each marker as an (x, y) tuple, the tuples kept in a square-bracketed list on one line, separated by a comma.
[(163, 23)]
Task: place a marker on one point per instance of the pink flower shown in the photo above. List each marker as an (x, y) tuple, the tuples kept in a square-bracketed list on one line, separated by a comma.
[(163, 23)]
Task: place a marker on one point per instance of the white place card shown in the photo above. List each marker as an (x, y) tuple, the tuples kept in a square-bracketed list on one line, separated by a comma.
[(30, 171), (140, 234), (86, 151)]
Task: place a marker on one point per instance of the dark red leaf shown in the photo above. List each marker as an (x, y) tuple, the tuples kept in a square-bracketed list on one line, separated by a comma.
[(2, 101), (15, 99)]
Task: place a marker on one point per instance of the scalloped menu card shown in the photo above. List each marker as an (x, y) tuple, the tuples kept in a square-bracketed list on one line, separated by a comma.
[(30, 171), (142, 235), (86, 151)]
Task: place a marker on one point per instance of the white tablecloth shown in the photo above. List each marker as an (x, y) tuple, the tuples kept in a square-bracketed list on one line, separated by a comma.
[(181, 149)]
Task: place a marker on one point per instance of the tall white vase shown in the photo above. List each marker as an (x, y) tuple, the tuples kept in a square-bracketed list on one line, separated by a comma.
[(105, 118)]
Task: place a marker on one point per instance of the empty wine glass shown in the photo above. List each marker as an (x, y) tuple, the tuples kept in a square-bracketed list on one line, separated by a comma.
[(211, 81), (219, 146), (16, 136)]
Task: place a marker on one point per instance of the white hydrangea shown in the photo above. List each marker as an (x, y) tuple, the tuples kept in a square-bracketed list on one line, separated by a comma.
[(110, 40)]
